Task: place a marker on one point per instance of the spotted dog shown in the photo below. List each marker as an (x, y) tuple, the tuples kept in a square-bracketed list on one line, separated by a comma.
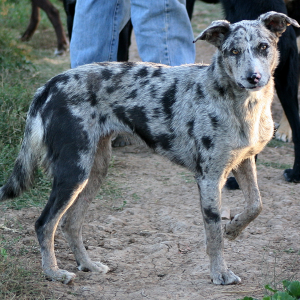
[(209, 118)]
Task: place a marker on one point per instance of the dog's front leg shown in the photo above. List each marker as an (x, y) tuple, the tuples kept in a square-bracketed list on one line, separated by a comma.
[(210, 200), (247, 179)]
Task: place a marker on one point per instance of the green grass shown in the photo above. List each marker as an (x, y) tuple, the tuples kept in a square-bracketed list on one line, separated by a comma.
[(272, 164), (278, 144), (23, 68), (18, 281), (204, 14)]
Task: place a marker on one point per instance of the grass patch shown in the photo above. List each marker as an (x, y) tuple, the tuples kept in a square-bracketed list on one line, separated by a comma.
[(271, 164), (187, 177), (19, 282), (279, 144), (23, 68), (19, 276), (112, 194), (204, 14)]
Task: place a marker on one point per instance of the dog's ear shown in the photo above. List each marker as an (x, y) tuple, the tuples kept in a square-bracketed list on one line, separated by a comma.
[(277, 22), (215, 33)]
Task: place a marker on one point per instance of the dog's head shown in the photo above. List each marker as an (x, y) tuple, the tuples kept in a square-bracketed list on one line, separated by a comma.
[(249, 48)]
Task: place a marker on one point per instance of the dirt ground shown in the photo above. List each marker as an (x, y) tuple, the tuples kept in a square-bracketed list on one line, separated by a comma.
[(149, 230)]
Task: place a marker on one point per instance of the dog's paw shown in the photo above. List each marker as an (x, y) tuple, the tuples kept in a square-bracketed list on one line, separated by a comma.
[(61, 276), (231, 229), (95, 266), (290, 176), (226, 277), (284, 132)]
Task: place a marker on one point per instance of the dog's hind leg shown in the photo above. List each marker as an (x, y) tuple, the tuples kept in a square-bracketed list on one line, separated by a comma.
[(64, 193), (70, 168), (247, 179), (210, 195), (74, 217)]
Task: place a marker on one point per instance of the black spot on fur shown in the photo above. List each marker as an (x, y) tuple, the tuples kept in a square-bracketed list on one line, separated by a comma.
[(140, 121), (110, 89), (199, 161), (93, 98), (93, 83), (207, 142), (210, 216), (77, 77), (168, 99), (199, 91), (106, 74), (214, 121), (132, 95), (190, 126), (156, 113), (157, 73), (165, 141), (143, 72), (153, 91), (219, 89), (122, 116), (102, 119), (144, 82)]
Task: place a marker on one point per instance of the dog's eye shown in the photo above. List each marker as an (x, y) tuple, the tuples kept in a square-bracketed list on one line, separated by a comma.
[(263, 47), (235, 51)]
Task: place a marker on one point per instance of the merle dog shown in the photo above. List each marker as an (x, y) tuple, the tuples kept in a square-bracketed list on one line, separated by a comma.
[(286, 74), (209, 118)]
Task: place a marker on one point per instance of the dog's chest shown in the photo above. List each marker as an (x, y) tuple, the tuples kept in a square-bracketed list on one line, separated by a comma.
[(254, 130)]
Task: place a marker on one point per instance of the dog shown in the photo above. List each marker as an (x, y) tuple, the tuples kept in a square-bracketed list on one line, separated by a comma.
[(287, 73), (209, 118), (53, 15)]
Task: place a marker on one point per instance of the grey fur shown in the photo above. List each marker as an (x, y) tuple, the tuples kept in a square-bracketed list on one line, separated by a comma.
[(210, 119)]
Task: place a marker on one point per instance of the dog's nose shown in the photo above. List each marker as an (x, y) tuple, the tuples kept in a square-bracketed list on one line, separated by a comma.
[(254, 78)]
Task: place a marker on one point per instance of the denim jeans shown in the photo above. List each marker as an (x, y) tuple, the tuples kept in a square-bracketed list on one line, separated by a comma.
[(162, 29)]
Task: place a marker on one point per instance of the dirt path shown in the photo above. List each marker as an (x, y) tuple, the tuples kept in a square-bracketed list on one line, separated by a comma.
[(147, 227)]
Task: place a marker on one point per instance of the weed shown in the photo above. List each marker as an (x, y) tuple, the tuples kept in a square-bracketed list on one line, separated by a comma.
[(3, 253), (135, 197), (291, 291), (120, 207), (187, 177)]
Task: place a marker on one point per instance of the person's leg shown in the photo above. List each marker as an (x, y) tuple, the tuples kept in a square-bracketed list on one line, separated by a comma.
[(96, 28), (163, 31)]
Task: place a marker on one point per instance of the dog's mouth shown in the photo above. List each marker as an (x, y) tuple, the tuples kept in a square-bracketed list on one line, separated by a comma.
[(253, 88)]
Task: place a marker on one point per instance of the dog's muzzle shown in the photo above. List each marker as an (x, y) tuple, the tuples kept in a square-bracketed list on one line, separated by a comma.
[(253, 82), (254, 78)]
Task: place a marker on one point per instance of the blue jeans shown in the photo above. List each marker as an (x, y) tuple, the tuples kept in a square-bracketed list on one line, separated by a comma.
[(162, 28)]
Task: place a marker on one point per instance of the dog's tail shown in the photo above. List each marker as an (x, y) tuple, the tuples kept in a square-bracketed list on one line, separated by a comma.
[(27, 161)]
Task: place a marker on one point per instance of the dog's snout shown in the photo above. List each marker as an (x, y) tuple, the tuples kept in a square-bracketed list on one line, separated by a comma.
[(253, 78)]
